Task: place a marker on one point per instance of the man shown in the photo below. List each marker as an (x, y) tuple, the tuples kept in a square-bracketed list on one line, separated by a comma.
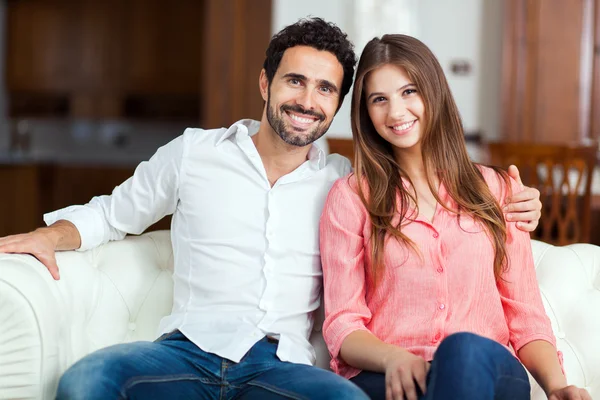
[(246, 203)]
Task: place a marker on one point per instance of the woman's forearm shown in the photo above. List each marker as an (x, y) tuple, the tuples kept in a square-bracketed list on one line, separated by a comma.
[(541, 360), (363, 350)]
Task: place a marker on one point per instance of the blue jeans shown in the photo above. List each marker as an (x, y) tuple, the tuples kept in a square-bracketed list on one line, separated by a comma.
[(466, 367), (175, 368)]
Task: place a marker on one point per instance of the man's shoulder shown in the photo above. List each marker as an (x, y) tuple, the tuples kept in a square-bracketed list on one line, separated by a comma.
[(194, 136), (340, 165)]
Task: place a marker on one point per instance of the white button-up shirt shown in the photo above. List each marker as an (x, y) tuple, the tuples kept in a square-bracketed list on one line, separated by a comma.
[(247, 260)]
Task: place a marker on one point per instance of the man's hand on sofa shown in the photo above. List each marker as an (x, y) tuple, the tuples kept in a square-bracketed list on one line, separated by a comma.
[(524, 207), (43, 243), (570, 393)]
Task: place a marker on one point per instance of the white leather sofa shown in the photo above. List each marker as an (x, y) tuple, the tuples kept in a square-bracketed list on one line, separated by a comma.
[(118, 293)]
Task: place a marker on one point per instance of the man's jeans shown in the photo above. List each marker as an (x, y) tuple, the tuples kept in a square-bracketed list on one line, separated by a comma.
[(175, 368), (465, 367)]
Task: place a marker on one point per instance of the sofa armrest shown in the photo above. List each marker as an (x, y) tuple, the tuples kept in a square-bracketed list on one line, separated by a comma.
[(31, 321), (115, 293)]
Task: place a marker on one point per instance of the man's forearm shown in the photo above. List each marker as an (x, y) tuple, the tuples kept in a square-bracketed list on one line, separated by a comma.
[(64, 234)]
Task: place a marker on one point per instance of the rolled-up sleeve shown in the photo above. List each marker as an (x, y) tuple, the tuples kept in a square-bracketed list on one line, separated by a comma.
[(143, 199), (342, 255), (519, 290)]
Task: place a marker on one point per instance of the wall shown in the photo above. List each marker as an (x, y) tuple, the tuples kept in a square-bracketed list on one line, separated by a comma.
[(468, 30), (454, 29), (286, 12)]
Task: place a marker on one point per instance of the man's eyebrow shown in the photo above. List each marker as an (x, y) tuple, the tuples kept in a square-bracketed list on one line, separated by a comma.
[(322, 82), (294, 75), (399, 90)]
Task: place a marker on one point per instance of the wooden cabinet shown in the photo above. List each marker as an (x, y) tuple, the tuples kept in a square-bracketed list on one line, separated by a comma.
[(236, 37), (40, 50), (163, 46), (196, 60), (100, 54), (551, 70), (20, 194), (33, 190)]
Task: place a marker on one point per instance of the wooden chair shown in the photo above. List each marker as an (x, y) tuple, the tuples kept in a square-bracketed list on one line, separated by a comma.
[(563, 175), (344, 147)]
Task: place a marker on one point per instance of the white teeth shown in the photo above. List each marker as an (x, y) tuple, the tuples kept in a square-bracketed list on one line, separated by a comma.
[(403, 126), (300, 119)]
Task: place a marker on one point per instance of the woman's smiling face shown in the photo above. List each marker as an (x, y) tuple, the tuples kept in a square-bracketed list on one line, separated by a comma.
[(395, 107)]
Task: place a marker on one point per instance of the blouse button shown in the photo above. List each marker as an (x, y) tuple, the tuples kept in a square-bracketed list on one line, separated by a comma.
[(440, 270), (442, 306), (437, 337), (436, 235)]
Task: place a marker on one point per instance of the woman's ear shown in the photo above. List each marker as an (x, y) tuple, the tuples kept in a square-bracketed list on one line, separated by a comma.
[(263, 84)]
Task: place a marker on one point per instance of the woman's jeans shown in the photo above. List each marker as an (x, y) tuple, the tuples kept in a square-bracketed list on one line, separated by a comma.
[(175, 368), (466, 367)]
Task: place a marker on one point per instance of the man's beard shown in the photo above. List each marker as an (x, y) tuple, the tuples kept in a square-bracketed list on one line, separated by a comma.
[(287, 135)]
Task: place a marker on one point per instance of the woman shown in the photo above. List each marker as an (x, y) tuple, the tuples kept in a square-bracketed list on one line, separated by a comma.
[(426, 285)]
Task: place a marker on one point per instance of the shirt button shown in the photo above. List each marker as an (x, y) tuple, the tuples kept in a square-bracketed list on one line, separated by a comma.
[(442, 306), (437, 337), (131, 326), (440, 270), (436, 235)]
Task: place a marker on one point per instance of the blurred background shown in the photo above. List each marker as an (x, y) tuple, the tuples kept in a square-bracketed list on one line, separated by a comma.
[(88, 89)]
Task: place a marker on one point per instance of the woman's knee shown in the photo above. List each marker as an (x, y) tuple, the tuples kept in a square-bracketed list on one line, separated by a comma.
[(467, 347)]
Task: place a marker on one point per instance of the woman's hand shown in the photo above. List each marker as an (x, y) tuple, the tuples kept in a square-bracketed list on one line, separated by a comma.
[(570, 393), (403, 371)]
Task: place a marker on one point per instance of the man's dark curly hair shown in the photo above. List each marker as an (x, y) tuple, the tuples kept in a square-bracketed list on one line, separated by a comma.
[(318, 34)]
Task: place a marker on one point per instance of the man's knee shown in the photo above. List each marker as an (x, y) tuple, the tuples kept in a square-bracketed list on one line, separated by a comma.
[(340, 388), (98, 375), (83, 380)]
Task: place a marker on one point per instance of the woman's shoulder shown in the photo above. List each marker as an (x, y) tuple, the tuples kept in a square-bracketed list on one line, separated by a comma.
[(498, 181), (345, 190), (348, 184)]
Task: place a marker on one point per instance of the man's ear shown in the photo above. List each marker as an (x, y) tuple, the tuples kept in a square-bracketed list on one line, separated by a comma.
[(263, 84)]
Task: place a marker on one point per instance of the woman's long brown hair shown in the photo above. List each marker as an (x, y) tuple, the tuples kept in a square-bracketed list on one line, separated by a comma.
[(443, 151)]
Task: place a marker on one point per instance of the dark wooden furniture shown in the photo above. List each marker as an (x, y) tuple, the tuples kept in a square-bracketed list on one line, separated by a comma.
[(344, 147), (551, 71), (563, 175), (191, 60), (30, 190)]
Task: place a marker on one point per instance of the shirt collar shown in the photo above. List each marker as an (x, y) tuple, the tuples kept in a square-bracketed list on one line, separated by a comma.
[(242, 127), (317, 156), (249, 127)]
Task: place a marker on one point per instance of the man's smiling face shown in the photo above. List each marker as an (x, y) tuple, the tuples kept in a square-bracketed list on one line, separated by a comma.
[(303, 97)]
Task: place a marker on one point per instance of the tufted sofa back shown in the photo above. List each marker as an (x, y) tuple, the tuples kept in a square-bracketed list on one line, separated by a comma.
[(120, 291)]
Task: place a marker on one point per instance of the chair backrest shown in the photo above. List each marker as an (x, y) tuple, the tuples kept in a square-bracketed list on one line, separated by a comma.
[(563, 175), (344, 147)]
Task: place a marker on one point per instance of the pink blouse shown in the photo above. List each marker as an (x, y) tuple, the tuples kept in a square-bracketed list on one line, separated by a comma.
[(421, 299)]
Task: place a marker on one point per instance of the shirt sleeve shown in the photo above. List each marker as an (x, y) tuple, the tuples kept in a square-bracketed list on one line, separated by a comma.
[(342, 256), (143, 199), (519, 290)]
